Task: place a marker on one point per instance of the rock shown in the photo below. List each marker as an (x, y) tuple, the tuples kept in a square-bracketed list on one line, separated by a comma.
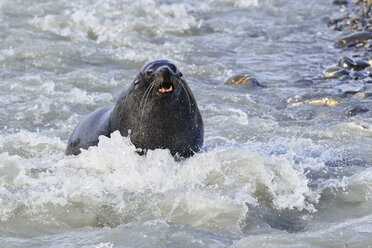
[(92, 35), (360, 65), (327, 20), (368, 44), (365, 93), (325, 101), (352, 111), (351, 44), (350, 88), (359, 125), (243, 78), (306, 82), (333, 22), (344, 77), (348, 63), (340, 2), (335, 72), (345, 62), (360, 95), (356, 37), (368, 71), (358, 75)]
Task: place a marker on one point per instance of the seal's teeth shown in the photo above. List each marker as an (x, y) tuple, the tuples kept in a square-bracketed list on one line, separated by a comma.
[(165, 89)]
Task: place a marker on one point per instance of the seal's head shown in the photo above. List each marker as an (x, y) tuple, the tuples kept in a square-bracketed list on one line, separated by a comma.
[(160, 111), (160, 89), (161, 77)]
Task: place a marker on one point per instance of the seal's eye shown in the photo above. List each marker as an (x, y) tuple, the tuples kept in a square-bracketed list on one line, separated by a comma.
[(149, 72)]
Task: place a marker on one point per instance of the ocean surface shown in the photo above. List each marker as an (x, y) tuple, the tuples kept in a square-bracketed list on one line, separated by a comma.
[(279, 169)]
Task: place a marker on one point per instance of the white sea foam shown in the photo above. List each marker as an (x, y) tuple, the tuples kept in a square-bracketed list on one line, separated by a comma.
[(208, 190), (246, 3), (6, 53), (107, 24)]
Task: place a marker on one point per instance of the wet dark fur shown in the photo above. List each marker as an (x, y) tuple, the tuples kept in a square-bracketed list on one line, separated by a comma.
[(154, 119)]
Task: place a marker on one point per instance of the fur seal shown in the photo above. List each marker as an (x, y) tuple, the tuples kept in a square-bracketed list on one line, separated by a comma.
[(158, 110)]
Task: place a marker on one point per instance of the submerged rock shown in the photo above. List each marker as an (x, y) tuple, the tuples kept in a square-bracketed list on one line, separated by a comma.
[(325, 101), (335, 72), (358, 75), (350, 88), (360, 65), (243, 78), (92, 35), (305, 82), (356, 1), (368, 71), (340, 2), (351, 44), (345, 62), (352, 111), (356, 37), (344, 77)]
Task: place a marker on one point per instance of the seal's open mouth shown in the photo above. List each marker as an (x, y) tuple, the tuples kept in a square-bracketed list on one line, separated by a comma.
[(166, 87)]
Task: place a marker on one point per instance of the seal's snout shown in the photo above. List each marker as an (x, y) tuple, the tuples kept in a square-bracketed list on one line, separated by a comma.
[(166, 82)]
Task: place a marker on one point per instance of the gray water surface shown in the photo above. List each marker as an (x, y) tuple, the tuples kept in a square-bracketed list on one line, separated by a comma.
[(274, 174)]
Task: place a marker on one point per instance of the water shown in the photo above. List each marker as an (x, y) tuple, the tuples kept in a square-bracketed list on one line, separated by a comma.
[(273, 175)]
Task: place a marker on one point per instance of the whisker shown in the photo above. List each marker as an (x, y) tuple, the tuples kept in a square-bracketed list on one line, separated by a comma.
[(144, 94), (188, 96), (148, 93)]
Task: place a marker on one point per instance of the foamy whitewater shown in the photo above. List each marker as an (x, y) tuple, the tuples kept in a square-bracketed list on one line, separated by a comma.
[(272, 174)]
